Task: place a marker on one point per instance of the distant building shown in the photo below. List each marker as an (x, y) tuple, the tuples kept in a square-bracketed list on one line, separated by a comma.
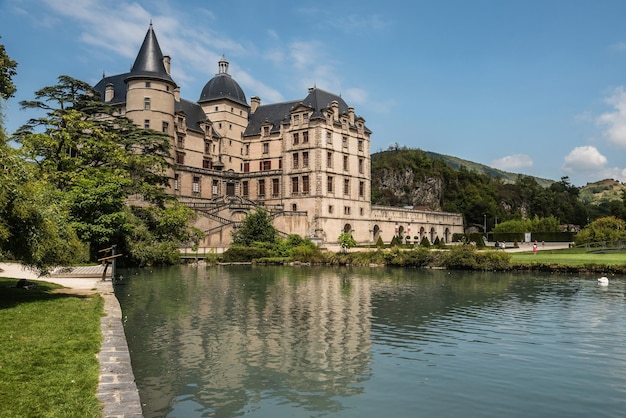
[(306, 161)]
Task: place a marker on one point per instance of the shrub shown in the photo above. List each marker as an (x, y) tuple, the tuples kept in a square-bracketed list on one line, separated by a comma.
[(379, 242), (461, 257), (425, 242), (244, 254)]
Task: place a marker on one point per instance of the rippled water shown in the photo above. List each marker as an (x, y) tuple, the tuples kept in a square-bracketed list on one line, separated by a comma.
[(344, 342)]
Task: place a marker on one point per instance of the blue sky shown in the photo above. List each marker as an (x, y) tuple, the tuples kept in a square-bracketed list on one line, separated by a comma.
[(533, 87)]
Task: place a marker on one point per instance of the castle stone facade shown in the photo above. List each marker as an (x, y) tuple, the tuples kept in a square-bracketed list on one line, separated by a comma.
[(305, 161)]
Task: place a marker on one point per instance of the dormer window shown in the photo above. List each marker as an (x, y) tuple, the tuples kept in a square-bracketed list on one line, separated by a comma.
[(306, 117), (296, 119), (266, 131)]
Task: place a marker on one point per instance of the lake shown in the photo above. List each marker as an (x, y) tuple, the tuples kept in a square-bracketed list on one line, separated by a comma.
[(251, 341)]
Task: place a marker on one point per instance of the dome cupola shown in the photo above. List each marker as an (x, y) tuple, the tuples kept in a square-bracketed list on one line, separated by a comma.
[(223, 86)]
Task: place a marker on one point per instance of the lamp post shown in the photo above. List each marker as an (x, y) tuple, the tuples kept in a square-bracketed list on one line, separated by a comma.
[(485, 224)]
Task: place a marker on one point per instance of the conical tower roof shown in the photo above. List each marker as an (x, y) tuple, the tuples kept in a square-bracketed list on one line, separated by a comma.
[(149, 61)]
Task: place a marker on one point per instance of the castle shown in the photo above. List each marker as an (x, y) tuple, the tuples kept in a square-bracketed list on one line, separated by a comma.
[(306, 161)]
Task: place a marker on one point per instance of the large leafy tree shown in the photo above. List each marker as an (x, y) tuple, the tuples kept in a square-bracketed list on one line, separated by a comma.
[(608, 228), (97, 160), (256, 227), (34, 223)]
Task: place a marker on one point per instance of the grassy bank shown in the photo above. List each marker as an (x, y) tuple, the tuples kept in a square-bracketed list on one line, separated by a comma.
[(48, 352), (571, 259), (466, 257)]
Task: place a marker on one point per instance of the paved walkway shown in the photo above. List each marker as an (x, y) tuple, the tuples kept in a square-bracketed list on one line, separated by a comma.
[(117, 390)]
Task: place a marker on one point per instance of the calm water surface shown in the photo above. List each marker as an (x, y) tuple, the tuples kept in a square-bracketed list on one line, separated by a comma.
[(346, 342)]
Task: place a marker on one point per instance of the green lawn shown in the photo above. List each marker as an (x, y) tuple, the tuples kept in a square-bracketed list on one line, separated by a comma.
[(48, 352), (575, 257)]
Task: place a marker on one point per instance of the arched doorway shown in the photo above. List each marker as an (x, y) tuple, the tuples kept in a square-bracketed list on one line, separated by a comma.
[(432, 235), (376, 233), (446, 235)]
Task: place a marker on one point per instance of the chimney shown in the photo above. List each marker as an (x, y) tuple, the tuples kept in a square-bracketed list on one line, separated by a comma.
[(351, 115), (166, 63), (255, 102), (335, 105), (109, 92)]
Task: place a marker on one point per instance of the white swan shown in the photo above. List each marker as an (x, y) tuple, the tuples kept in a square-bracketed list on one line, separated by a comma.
[(603, 281)]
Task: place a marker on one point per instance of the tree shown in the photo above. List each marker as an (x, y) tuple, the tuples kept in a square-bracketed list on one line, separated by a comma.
[(7, 72), (81, 137), (96, 159), (608, 228), (346, 241), (257, 226)]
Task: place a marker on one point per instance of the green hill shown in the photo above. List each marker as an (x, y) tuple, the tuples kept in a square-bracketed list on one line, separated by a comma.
[(495, 173), (603, 191)]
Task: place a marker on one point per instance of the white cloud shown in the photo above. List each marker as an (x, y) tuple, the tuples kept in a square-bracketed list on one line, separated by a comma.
[(614, 122), (512, 162), (587, 159)]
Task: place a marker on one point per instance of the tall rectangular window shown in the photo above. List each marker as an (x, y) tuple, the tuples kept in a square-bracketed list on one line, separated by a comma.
[(294, 186), (296, 119), (296, 138), (305, 184), (329, 159), (305, 159), (261, 188), (296, 160), (215, 189), (180, 158), (146, 103), (266, 165), (195, 185), (329, 138), (360, 165), (266, 147), (244, 188), (345, 163), (346, 186), (329, 183), (305, 137), (344, 142), (176, 182), (361, 188), (360, 145), (275, 187), (146, 124), (207, 147), (246, 167), (206, 163), (180, 141), (165, 127)]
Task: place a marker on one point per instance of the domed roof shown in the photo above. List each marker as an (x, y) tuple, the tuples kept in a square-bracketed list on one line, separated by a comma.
[(223, 86)]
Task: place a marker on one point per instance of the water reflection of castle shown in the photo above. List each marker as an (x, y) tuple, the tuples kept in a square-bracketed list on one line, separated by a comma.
[(283, 338)]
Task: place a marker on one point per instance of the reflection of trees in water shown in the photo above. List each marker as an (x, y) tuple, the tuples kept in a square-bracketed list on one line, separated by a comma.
[(245, 334)]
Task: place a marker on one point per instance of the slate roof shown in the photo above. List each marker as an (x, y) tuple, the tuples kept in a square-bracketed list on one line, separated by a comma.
[(193, 112), (223, 86), (149, 64), (149, 61), (318, 100), (119, 88)]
